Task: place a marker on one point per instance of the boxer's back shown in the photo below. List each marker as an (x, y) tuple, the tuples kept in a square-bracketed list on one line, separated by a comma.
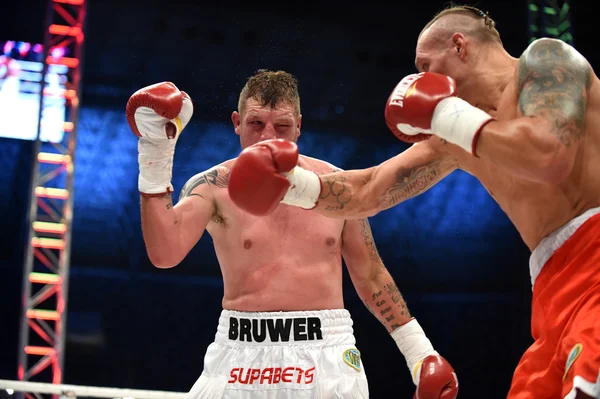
[(538, 209), (289, 260)]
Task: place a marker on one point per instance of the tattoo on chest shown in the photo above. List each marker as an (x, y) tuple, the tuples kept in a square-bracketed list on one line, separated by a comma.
[(411, 182)]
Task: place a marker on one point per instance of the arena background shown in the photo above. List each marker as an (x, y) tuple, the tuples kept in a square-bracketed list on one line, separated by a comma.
[(457, 259)]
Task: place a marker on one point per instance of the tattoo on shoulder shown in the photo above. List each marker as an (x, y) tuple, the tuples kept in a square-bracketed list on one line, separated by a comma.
[(553, 79), (365, 230), (411, 182), (216, 177)]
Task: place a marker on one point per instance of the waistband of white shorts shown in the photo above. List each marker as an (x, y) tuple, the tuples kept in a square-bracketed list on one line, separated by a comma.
[(315, 327), (551, 243)]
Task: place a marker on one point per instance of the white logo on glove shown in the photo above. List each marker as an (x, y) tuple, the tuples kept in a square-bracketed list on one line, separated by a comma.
[(411, 131)]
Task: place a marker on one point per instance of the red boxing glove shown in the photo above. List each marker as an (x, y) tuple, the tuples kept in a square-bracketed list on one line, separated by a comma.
[(414, 107), (256, 183), (425, 103), (436, 379), (160, 103), (157, 114)]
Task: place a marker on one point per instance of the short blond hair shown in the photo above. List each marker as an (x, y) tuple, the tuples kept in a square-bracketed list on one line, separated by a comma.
[(271, 88), (485, 32)]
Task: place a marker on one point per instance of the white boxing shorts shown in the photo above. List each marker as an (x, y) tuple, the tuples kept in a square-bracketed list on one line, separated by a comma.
[(280, 355)]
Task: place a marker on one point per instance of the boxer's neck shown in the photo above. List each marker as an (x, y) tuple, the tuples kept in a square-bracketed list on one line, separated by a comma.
[(489, 80)]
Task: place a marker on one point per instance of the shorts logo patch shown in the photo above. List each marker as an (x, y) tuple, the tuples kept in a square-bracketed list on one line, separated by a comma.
[(352, 358), (573, 355)]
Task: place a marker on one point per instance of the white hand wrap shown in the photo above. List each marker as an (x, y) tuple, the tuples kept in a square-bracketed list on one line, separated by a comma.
[(414, 345), (305, 188), (458, 122), (156, 165), (155, 150)]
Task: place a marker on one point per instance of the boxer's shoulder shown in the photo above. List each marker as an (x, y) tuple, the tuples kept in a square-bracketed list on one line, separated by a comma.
[(552, 63), (225, 166), (215, 177)]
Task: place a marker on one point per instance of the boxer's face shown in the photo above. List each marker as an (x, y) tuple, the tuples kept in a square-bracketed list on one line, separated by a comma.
[(257, 123), (448, 57)]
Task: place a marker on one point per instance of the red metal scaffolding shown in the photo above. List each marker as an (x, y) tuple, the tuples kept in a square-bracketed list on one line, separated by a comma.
[(47, 258)]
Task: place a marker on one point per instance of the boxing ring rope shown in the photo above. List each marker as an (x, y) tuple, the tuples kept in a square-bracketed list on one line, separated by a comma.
[(80, 391)]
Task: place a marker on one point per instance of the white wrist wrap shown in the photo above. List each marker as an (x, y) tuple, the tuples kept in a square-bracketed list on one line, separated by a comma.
[(155, 159), (155, 150), (458, 122), (414, 345), (305, 188)]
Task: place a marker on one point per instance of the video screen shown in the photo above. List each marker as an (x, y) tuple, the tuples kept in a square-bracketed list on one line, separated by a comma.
[(21, 66)]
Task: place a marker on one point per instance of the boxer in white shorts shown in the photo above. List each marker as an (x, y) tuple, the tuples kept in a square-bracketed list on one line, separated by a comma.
[(283, 354), (284, 332)]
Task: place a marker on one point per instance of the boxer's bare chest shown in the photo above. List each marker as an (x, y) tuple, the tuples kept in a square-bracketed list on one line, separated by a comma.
[(287, 228)]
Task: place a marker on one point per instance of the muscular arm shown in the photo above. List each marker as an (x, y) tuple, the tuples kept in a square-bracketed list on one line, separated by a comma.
[(170, 232), (362, 193), (553, 83), (373, 283)]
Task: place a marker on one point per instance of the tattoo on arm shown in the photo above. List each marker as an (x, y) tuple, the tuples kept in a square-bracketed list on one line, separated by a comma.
[(169, 205), (397, 299), (388, 306), (365, 230), (553, 82), (411, 182), (335, 187), (217, 177)]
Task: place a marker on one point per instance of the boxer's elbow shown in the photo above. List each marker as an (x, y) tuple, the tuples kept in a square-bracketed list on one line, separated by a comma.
[(368, 202), (164, 264), (374, 193), (366, 207), (163, 259)]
